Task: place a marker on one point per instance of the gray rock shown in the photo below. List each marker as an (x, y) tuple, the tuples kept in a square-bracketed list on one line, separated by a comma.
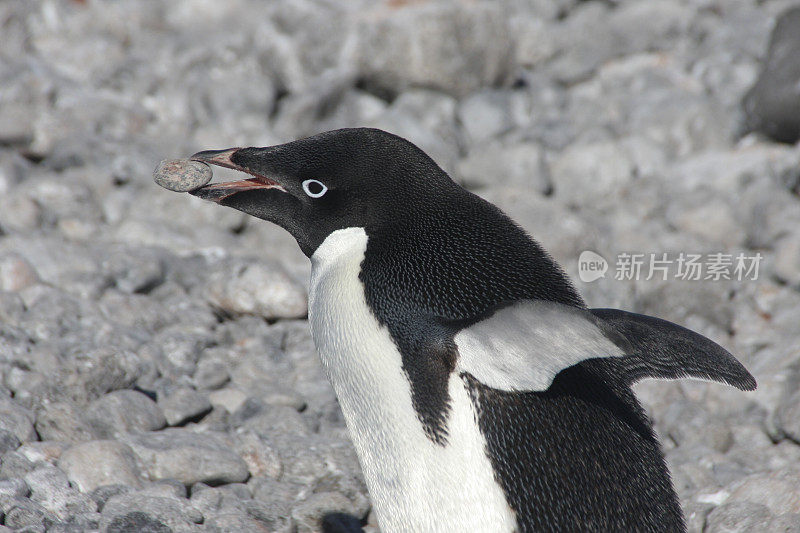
[(428, 119), (279, 495), (43, 451), (778, 491), (419, 45), (8, 441), (153, 513), (23, 513), (262, 460), (16, 419), (788, 416), (264, 513), (50, 487), (63, 421), (786, 523), (15, 488), (786, 263), (136, 521), (184, 404), (688, 425), (771, 106), (211, 373), (102, 494), (536, 40), (19, 214), (123, 411), (738, 517), (274, 500), (99, 463), (257, 376), (187, 456), (310, 514), (229, 398), (14, 465), (37, 528), (77, 522), (234, 522), (207, 500), (485, 115), (267, 419), (46, 479), (712, 219), (176, 349), (181, 175), (585, 175), (250, 287), (12, 308), (16, 273), (595, 34), (171, 488), (240, 491), (495, 165), (104, 370), (135, 269)]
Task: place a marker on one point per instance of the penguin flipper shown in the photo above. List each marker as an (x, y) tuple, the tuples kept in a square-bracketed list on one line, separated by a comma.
[(660, 349), (523, 346)]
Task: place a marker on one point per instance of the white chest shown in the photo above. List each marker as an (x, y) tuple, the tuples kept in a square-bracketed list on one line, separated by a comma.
[(415, 484)]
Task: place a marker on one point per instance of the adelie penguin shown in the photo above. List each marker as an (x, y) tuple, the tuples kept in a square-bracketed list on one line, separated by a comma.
[(479, 390)]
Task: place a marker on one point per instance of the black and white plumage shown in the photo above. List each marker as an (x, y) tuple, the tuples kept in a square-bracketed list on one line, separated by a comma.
[(480, 392)]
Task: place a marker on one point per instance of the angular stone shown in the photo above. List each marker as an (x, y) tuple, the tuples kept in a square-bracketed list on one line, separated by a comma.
[(98, 463), (14, 465), (16, 488), (778, 491), (772, 106), (16, 273), (262, 460), (23, 513), (142, 511), (229, 398), (50, 487), (8, 441), (495, 165), (183, 405), (169, 488), (102, 494), (187, 456), (44, 451), (312, 513), (211, 374), (485, 115), (123, 411), (737, 516), (257, 288), (585, 174), (235, 522), (419, 45), (17, 419), (63, 421)]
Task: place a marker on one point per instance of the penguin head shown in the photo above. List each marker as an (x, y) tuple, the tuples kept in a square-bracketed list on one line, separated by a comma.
[(311, 187)]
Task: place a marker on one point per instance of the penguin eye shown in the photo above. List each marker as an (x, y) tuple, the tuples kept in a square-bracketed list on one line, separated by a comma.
[(314, 188)]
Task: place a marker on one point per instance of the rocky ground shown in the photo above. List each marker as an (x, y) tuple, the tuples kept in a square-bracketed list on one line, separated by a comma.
[(157, 371)]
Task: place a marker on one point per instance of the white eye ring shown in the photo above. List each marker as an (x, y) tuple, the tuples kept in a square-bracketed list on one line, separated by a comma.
[(307, 188)]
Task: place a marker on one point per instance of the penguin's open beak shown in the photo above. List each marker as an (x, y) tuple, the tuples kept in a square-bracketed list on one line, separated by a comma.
[(217, 192)]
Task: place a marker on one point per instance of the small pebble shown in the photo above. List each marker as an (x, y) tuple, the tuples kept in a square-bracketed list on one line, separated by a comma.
[(182, 175)]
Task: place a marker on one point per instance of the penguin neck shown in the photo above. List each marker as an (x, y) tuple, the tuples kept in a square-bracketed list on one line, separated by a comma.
[(457, 258)]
